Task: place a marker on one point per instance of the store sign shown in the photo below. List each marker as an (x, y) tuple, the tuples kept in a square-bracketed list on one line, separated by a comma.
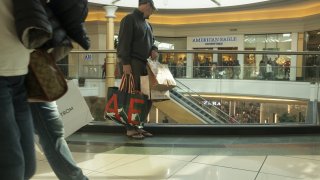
[(215, 41), (88, 57), (211, 103)]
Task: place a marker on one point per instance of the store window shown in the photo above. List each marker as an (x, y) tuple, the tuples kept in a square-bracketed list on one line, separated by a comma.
[(202, 64), (259, 111), (177, 62), (311, 62), (255, 65)]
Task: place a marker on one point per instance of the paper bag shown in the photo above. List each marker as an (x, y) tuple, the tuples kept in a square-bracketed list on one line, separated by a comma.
[(151, 93), (73, 109), (161, 78)]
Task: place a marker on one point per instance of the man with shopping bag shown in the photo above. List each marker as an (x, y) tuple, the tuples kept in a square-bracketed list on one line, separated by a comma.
[(127, 106), (136, 45)]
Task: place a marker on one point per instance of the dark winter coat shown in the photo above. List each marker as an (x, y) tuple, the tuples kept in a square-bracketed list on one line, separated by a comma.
[(49, 25), (136, 40)]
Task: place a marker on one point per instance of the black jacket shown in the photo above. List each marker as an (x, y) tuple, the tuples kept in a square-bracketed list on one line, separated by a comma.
[(40, 25), (136, 40), (72, 14)]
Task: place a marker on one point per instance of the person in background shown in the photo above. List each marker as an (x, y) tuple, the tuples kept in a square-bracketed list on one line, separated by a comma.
[(135, 46), (17, 155), (236, 69), (262, 69), (269, 72), (103, 67)]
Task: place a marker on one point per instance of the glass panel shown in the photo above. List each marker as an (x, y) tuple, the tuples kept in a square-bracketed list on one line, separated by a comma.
[(242, 91)]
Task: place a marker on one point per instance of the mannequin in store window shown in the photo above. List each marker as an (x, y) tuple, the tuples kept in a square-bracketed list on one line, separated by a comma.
[(269, 71)]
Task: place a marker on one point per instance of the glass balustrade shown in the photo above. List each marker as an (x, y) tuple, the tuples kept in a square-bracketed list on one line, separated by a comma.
[(214, 87)]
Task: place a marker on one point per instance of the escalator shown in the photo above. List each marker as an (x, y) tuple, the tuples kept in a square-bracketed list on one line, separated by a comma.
[(193, 104)]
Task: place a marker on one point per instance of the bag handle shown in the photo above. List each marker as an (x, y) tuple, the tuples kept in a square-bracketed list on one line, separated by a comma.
[(127, 84)]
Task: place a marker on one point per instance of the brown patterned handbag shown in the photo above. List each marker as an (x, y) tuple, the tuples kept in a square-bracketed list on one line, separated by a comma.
[(45, 82)]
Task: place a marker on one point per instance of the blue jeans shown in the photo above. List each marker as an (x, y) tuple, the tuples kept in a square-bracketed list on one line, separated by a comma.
[(49, 127), (17, 155)]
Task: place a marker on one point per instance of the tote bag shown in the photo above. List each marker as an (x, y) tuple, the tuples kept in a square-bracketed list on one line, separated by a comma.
[(125, 105)]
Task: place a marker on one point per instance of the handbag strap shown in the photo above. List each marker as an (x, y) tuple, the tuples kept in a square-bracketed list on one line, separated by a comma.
[(127, 84)]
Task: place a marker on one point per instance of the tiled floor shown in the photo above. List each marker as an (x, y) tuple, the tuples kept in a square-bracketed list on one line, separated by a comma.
[(106, 156)]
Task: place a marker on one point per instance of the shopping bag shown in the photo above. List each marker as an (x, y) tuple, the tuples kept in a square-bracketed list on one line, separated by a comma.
[(160, 76), (152, 93), (73, 109), (125, 105)]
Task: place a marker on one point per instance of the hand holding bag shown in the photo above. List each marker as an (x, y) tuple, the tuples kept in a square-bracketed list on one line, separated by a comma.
[(45, 82), (125, 105)]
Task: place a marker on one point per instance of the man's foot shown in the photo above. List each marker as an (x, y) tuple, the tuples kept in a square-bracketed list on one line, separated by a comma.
[(144, 132), (134, 134)]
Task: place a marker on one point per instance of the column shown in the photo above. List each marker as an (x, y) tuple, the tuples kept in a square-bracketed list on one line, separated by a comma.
[(110, 58), (312, 111)]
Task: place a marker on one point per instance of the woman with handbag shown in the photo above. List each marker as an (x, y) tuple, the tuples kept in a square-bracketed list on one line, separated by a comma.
[(50, 25)]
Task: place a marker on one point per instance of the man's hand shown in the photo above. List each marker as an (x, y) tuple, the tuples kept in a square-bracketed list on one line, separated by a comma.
[(127, 69), (154, 54)]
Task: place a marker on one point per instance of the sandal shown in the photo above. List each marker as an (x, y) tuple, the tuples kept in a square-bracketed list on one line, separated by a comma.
[(144, 132), (135, 135)]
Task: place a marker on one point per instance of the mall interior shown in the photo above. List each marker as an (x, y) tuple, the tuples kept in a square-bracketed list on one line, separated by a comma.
[(245, 105)]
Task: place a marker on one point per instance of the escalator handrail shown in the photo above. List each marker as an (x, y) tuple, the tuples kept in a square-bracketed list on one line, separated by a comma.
[(199, 96), (174, 96)]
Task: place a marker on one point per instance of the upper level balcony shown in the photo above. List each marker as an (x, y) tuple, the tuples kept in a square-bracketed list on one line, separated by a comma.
[(243, 87)]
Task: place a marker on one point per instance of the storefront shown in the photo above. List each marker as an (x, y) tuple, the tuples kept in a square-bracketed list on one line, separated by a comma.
[(207, 65), (233, 66), (255, 65), (258, 110)]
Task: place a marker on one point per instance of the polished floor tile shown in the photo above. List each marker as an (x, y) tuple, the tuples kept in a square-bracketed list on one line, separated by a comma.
[(252, 163), (150, 167), (116, 157), (292, 167), (263, 176), (195, 171)]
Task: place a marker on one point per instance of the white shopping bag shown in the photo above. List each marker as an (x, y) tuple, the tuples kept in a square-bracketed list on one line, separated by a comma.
[(73, 109), (151, 93)]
